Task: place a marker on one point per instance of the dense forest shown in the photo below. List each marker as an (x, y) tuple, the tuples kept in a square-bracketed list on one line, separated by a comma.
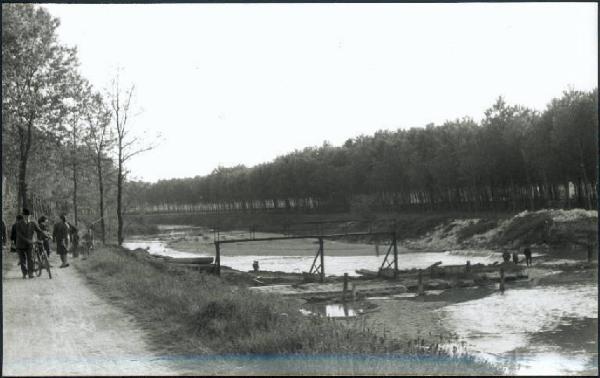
[(65, 147), (515, 158), (64, 143)]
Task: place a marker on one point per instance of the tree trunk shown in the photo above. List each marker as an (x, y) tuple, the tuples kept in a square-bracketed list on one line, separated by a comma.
[(75, 211), (24, 148), (101, 193), (568, 191), (120, 198)]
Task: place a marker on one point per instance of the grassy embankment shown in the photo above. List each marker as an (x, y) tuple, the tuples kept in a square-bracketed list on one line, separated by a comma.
[(187, 313)]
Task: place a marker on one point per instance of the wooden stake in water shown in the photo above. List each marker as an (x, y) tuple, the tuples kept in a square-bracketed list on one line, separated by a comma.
[(420, 291), (395, 244), (354, 292), (502, 280)]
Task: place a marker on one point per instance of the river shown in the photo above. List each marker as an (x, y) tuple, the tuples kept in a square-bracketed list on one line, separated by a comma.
[(529, 330), (296, 255)]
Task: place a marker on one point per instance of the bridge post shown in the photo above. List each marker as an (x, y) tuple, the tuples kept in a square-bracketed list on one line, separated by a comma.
[(322, 259), (217, 258), (395, 255)]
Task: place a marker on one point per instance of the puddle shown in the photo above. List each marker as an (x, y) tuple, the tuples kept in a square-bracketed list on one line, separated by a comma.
[(332, 310)]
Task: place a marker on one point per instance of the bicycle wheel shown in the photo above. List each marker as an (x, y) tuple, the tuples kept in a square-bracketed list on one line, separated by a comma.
[(37, 262), (46, 264)]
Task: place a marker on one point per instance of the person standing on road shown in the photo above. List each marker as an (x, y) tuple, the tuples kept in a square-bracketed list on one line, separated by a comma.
[(61, 237), (13, 234), (527, 253), (25, 230), (88, 240), (74, 234)]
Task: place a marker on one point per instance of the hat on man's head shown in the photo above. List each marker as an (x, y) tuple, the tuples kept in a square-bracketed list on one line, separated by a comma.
[(26, 211), (63, 217)]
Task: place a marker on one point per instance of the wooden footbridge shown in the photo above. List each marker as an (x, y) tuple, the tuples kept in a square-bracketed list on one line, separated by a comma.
[(318, 266)]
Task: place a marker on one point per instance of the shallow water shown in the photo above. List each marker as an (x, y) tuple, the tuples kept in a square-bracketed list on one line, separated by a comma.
[(333, 310), (509, 331), (528, 330), (297, 256)]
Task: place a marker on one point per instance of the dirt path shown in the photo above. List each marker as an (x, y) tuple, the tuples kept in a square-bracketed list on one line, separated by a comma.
[(64, 328)]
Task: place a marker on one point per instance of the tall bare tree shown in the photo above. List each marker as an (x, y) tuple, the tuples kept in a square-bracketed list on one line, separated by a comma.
[(100, 140), (128, 144), (80, 96)]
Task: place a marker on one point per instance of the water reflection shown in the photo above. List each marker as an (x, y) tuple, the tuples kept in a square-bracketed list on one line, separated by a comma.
[(332, 310)]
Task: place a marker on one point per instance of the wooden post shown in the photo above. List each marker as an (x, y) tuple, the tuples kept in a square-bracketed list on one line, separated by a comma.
[(218, 258), (420, 291), (345, 286), (354, 292), (468, 267), (502, 280), (322, 260), (395, 255)]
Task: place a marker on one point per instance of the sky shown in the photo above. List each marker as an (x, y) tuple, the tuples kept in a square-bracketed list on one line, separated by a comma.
[(229, 84)]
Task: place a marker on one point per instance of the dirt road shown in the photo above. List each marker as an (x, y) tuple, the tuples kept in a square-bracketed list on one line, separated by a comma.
[(61, 327)]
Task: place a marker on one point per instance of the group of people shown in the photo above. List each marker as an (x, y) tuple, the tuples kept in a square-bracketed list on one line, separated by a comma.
[(515, 256), (25, 232)]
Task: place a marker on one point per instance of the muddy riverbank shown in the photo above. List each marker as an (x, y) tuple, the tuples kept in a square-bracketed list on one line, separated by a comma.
[(453, 313)]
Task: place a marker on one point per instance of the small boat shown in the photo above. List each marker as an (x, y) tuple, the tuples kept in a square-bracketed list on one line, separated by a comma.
[(189, 260)]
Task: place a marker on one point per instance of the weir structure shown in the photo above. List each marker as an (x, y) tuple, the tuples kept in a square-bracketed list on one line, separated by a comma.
[(318, 266)]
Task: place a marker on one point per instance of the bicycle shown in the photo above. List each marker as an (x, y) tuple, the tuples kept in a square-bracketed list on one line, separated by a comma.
[(40, 259)]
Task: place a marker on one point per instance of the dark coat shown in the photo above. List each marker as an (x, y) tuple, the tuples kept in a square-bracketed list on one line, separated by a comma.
[(25, 232)]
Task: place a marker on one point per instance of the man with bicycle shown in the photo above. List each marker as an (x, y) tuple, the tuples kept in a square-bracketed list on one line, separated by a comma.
[(25, 229)]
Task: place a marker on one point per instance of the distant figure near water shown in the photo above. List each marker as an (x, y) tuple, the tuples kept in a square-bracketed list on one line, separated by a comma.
[(515, 257)]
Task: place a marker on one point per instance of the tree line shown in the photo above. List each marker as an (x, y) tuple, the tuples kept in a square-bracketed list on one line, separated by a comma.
[(515, 158), (64, 142)]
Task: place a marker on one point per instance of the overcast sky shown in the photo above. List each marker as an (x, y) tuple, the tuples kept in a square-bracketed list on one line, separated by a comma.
[(230, 84)]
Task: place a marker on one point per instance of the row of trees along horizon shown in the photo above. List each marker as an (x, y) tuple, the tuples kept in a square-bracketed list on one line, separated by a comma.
[(515, 158), (66, 144)]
